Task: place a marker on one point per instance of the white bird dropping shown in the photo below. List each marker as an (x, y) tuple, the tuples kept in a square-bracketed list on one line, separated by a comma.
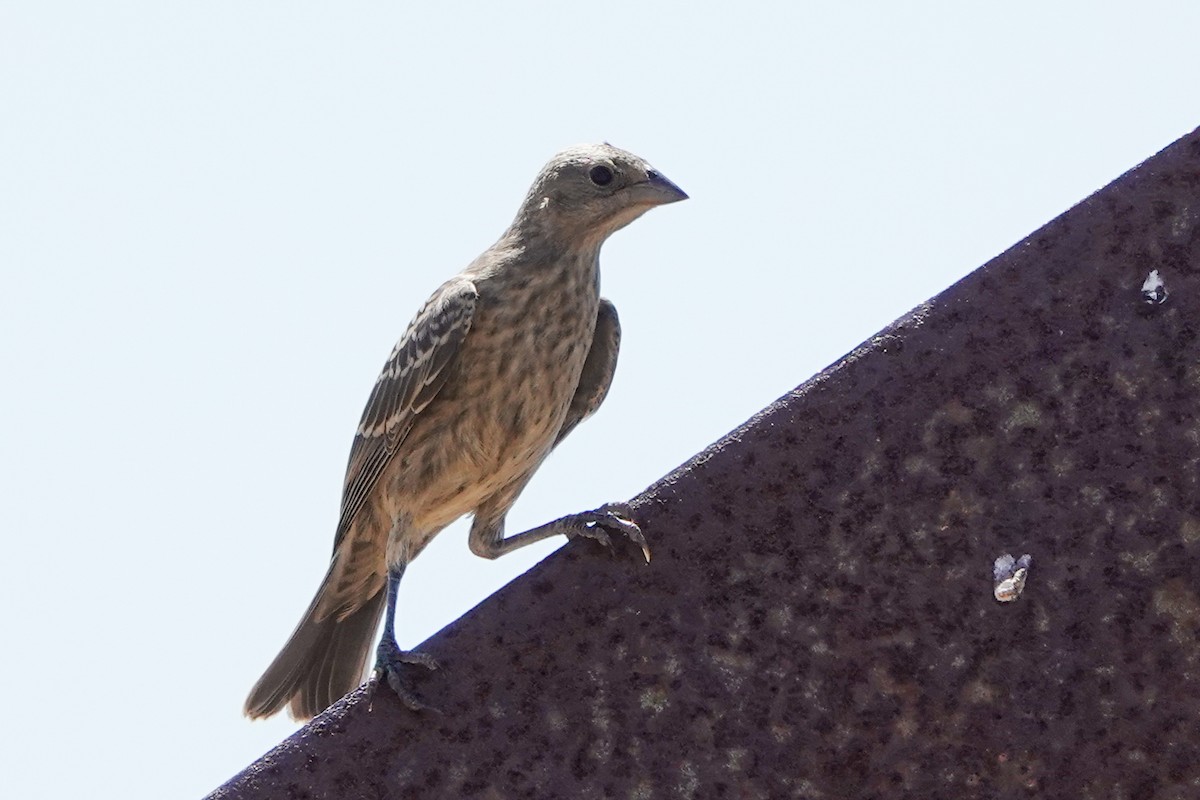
[(1010, 575)]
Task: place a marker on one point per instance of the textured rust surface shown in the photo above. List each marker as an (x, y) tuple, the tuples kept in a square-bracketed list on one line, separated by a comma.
[(818, 620)]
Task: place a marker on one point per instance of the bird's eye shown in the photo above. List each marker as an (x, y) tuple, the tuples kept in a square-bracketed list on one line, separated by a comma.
[(601, 176)]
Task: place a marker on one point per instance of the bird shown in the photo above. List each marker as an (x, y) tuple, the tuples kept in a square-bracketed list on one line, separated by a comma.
[(502, 362)]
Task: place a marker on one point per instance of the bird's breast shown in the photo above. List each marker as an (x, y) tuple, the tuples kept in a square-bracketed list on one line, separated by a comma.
[(501, 409), (528, 346)]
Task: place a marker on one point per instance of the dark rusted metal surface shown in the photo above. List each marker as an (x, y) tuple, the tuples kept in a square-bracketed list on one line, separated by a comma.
[(819, 619)]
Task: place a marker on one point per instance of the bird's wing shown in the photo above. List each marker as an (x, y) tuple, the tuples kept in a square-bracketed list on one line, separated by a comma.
[(598, 370), (414, 373)]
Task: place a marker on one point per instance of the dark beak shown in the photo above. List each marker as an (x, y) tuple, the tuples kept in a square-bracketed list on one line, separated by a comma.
[(656, 190)]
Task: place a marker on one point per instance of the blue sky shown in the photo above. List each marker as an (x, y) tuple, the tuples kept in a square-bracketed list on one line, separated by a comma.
[(216, 219)]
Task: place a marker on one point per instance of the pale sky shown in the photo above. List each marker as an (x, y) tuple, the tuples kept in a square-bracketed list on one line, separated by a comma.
[(216, 218)]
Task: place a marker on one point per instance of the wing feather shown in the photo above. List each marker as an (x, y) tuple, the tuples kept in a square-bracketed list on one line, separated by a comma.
[(414, 373), (598, 370)]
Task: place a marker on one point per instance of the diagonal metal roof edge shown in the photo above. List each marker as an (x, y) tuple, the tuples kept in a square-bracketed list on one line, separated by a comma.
[(819, 619)]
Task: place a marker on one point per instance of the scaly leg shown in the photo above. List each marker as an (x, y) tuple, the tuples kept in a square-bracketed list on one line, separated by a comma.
[(390, 660), (488, 539)]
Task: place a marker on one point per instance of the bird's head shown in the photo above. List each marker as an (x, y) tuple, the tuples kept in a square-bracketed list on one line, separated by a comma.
[(589, 191)]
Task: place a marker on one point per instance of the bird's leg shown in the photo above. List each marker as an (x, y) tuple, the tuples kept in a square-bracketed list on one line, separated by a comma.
[(488, 539), (390, 660)]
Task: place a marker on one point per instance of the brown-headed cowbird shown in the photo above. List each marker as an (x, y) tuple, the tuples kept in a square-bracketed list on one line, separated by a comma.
[(501, 363)]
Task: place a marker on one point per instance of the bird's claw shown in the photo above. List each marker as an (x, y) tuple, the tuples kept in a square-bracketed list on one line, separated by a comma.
[(390, 663), (610, 518)]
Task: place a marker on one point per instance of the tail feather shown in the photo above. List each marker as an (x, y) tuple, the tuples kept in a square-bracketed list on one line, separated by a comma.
[(323, 660)]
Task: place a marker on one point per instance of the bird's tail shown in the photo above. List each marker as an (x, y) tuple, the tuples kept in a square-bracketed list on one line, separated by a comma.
[(323, 660)]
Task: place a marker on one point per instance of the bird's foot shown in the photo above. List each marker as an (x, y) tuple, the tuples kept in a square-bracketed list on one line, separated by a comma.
[(393, 665), (608, 519)]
